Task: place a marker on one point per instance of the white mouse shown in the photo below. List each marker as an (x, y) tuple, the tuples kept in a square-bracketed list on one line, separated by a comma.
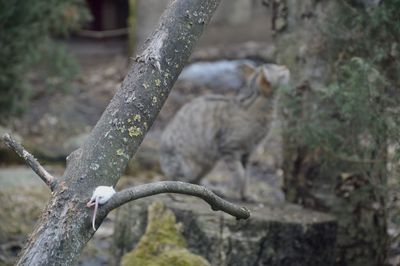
[(100, 196)]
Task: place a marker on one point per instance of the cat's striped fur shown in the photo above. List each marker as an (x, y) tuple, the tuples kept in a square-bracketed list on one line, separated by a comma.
[(215, 127)]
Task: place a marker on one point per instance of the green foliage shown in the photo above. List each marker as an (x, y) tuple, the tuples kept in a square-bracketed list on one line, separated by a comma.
[(372, 34), (337, 136), (348, 118), (26, 27), (347, 127), (56, 67), (358, 113)]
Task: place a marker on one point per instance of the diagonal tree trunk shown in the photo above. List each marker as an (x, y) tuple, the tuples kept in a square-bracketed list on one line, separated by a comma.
[(65, 228)]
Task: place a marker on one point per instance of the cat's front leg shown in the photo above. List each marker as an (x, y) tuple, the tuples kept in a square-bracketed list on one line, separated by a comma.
[(239, 181)]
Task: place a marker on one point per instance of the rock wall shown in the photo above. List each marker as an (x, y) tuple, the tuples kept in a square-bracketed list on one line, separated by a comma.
[(283, 235)]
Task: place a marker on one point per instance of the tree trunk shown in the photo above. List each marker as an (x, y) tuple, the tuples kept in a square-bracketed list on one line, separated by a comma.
[(65, 227), (353, 191)]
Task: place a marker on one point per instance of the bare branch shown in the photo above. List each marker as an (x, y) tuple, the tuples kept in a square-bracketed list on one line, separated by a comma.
[(30, 161), (142, 191)]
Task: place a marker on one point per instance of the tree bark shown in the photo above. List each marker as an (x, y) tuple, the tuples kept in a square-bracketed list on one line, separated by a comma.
[(64, 228)]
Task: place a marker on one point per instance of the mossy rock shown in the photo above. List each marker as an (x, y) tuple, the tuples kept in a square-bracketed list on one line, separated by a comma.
[(162, 244), (278, 234)]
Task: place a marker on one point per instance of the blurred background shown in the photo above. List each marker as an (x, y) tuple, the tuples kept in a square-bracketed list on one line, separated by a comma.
[(332, 149)]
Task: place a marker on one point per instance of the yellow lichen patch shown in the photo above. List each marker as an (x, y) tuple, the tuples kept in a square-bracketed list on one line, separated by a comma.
[(137, 118), (120, 152), (162, 244), (135, 131), (146, 86), (158, 82), (145, 125)]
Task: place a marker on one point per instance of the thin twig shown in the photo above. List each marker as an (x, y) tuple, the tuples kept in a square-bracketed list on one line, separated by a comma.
[(142, 191), (30, 160)]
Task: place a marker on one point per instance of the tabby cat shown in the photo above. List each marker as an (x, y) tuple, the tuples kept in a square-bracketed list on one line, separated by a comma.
[(215, 127)]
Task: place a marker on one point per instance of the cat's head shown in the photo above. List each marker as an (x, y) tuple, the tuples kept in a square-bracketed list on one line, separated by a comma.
[(265, 78)]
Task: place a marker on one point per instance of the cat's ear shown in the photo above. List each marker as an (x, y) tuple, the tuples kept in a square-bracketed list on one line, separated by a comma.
[(247, 70), (263, 83)]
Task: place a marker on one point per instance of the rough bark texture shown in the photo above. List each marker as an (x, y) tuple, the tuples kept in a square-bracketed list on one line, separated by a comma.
[(283, 235), (64, 227)]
